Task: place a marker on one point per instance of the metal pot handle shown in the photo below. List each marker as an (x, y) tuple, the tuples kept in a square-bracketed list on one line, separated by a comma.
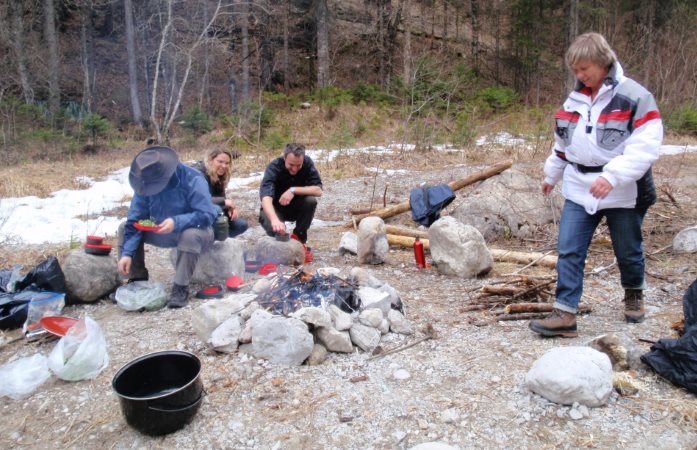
[(165, 409)]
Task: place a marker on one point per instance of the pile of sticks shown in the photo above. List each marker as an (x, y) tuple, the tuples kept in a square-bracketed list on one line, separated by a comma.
[(517, 298)]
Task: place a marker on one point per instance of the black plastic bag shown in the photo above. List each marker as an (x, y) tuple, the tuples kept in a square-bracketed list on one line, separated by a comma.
[(676, 359), (47, 276), (14, 309)]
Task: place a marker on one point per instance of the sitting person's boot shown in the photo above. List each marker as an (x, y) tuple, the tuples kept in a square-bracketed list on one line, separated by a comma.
[(634, 305), (559, 323), (179, 297)]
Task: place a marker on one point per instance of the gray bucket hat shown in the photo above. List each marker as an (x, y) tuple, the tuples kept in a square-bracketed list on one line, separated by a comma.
[(152, 169)]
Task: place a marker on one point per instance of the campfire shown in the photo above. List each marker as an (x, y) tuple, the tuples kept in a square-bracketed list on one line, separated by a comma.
[(298, 289)]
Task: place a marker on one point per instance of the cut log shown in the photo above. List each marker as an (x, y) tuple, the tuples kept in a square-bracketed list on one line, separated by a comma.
[(540, 259), (399, 208), (361, 210), (515, 308), (403, 231), (502, 290), (405, 241)]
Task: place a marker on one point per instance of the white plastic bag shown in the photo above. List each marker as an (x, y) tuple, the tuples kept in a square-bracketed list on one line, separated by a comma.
[(22, 376), (80, 354), (141, 295)]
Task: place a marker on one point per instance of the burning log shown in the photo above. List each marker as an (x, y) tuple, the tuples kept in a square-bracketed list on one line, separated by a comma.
[(399, 208)]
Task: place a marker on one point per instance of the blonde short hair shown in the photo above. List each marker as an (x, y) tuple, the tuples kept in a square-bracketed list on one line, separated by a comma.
[(590, 47)]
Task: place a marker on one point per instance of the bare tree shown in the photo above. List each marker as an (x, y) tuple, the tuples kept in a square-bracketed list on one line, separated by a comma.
[(53, 61), (162, 121), (571, 35), (136, 113), (406, 51), (322, 22), (286, 59), (15, 13), (87, 53), (244, 26), (474, 22)]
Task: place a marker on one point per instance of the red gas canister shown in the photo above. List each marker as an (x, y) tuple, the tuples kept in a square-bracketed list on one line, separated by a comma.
[(419, 253)]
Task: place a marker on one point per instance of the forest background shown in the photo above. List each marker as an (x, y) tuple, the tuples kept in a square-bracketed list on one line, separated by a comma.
[(91, 76)]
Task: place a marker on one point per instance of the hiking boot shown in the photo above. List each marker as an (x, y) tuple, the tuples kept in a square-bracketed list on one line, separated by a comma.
[(179, 297), (633, 305), (558, 323)]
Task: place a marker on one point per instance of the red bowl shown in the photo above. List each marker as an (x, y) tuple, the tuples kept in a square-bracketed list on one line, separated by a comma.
[(95, 240), (267, 269), (98, 249), (58, 325), (234, 282), (215, 291)]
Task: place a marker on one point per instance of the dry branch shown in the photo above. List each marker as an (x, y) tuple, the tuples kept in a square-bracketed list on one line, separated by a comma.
[(539, 259), (454, 185), (515, 308)]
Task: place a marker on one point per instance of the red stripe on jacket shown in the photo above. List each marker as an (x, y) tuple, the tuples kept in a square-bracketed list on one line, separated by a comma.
[(620, 116), (653, 114), (566, 115)]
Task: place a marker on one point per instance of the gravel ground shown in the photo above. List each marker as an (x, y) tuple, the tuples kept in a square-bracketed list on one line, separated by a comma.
[(464, 387)]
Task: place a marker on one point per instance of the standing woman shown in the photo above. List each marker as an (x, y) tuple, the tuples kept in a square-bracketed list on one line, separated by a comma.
[(217, 169), (607, 136)]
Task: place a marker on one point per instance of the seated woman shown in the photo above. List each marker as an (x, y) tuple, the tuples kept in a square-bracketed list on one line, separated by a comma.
[(217, 169)]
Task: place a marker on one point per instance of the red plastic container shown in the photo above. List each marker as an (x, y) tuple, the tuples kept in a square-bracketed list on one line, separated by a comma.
[(419, 253)]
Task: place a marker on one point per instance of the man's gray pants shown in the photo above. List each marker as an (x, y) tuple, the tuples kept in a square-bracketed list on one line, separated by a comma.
[(190, 244)]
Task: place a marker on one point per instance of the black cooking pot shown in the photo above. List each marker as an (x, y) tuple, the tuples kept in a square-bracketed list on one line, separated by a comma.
[(160, 392)]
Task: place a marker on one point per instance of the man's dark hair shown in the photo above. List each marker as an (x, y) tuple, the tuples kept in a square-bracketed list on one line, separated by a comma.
[(294, 148)]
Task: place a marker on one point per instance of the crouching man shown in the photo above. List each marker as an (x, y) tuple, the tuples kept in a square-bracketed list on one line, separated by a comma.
[(176, 198), (288, 192)]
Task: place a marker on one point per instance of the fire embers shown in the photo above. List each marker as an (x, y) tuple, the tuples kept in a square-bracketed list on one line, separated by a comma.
[(290, 292)]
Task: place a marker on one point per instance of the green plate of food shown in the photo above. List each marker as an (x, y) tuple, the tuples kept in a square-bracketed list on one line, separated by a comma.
[(147, 225)]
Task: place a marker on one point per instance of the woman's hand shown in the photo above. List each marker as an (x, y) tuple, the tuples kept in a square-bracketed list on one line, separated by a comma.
[(600, 188), (231, 209), (547, 188)]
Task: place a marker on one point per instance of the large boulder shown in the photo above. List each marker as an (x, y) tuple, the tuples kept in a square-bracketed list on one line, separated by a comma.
[(686, 241), (372, 241), (509, 204), (288, 253), (568, 375), (458, 249), (282, 340), (89, 277), (225, 259)]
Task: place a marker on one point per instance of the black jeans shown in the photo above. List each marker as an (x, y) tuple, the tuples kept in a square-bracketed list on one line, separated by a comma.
[(301, 210)]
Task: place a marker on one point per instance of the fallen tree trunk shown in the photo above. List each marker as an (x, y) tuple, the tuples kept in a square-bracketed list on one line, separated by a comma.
[(399, 208), (539, 259), (515, 308)]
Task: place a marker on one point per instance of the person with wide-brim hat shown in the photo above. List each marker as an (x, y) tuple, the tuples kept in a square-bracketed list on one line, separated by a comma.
[(176, 198)]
